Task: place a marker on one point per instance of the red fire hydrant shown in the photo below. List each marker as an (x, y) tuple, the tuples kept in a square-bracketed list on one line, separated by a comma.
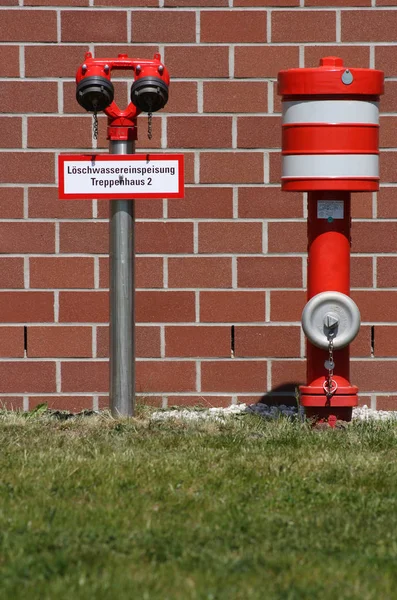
[(330, 148)]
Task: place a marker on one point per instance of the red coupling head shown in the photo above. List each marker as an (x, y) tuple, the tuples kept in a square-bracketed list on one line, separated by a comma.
[(95, 92)]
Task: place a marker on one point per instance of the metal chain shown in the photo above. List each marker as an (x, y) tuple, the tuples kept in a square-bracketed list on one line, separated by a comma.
[(330, 386), (94, 126), (149, 125)]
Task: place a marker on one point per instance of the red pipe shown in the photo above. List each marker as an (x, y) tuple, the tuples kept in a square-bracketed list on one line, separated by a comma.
[(328, 269)]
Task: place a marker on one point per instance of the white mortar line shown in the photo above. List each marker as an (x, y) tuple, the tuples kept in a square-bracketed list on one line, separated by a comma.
[(234, 272), (338, 26), (94, 341), (26, 273)]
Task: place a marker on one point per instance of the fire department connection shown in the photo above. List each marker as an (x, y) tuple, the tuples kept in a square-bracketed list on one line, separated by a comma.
[(330, 148), (121, 175)]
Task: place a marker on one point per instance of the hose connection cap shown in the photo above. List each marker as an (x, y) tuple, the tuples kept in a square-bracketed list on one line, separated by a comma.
[(94, 93), (149, 94)]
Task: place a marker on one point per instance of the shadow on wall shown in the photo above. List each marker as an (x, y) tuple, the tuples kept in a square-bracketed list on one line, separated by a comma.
[(287, 394)]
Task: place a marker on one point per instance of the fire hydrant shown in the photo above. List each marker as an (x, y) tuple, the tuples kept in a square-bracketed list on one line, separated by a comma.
[(330, 148)]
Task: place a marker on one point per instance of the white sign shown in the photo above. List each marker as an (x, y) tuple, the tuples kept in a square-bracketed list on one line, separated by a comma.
[(330, 209), (108, 176)]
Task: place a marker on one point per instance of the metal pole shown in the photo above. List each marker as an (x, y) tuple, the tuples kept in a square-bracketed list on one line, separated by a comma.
[(122, 305)]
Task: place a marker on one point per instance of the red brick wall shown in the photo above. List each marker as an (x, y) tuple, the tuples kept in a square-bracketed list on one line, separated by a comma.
[(221, 274)]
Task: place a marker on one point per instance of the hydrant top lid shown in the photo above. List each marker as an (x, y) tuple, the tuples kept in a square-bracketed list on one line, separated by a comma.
[(330, 78)]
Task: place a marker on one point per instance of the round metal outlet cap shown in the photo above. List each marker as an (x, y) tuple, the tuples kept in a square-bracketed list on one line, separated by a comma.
[(331, 313)]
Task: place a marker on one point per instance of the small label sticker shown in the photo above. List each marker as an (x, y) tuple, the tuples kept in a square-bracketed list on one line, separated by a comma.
[(330, 209)]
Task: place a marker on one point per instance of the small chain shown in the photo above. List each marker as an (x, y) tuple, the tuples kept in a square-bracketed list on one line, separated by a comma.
[(95, 126), (330, 386), (149, 125)]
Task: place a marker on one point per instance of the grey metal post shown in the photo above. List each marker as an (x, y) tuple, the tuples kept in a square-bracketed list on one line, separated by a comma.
[(122, 305)]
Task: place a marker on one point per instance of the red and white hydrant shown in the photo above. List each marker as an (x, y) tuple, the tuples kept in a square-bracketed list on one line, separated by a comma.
[(330, 148)]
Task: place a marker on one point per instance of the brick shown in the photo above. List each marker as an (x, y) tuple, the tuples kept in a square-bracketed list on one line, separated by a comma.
[(27, 237), (47, 342), (127, 3), (233, 26), (161, 376), (9, 61), (305, 26), (387, 203), (60, 132), (386, 58), (199, 132), (232, 307), (361, 272), (44, 204), (164, 238), (83, 307), (259, 132), (29, 96), (143, 209), (30, 26), (11, 403), (374, 237), (386, 403), (386, 132), (90, 238), (163, 26), (147, 342), (361, 346), (183, 97), (53, 61), (369, 375), (231, 167), (197, 61), (287, 375), (11, 273), (276, 3), (199, 272), (268, 203), (386, 2), (208, 401), (79, 376), (198, 341), (275, 167), (11, 129), (277, 104), (60, 272), (361, 205), (27, 167), (148, 272), (287, 237), (385, 340), (368, 26), (193, 3), (342, 3), (264, 61), (11, 203), (74, 404), (12, 344), (26, 307), (267, 341), (56, 2), (386, 271), (235, 96), (241, 238), (27, 376), (353, 56), (269, 272), (203, 203), (286, 306), (165, 307), (234, 376), (388, 101), (190, 161), (96, 26), (376, 305), (70, 104)]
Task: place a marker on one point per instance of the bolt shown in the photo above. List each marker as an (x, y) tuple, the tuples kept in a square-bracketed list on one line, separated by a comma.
[(106, 68), (84, 69), (138, 69), (330, 321), (161, 69)]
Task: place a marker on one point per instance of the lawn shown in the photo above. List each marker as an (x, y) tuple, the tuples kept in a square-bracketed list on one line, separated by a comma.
[(96, 508)]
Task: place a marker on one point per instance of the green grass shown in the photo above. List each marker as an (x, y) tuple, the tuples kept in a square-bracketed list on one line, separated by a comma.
[(96, 508)]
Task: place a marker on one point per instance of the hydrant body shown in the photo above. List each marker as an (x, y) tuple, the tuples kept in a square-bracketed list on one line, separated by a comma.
[(330, 148)]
